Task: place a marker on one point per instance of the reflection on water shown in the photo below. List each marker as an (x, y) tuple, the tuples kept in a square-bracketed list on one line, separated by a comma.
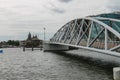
[(70, 65)]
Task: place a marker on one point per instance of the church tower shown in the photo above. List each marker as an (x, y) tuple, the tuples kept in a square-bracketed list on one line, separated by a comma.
[(29, 36)]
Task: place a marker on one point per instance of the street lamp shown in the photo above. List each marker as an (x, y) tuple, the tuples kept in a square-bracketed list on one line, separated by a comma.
[(44, 33)]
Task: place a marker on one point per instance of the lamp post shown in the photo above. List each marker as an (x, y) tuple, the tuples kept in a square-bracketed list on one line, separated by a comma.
[(44, 33)]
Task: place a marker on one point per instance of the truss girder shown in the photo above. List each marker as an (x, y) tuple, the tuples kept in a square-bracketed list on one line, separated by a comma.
[(90, 31)]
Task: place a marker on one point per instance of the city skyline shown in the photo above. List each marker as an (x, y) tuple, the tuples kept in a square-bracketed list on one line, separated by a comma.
[(19, 17)]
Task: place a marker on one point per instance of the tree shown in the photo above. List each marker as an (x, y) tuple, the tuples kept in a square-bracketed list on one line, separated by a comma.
[(12, 42)]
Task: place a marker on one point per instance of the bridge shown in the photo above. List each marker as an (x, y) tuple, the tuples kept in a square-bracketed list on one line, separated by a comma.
[(99, 33)]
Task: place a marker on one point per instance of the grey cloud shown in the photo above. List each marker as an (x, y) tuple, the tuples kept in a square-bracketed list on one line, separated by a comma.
[(65, 1), (114, 8), (54, 8), (58, 10), (114, 5)]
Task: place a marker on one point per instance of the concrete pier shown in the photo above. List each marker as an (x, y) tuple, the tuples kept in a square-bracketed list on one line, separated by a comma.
[(116, 73), (53, 47)]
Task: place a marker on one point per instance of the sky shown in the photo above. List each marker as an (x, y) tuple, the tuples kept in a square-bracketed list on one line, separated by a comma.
[(19, 17)]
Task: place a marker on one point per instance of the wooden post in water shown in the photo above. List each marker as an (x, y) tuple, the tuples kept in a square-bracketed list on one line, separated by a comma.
[(23, 48), (41, 48), (32, 48)]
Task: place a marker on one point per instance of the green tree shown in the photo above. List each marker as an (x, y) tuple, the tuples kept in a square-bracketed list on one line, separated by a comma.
[(12, 42)]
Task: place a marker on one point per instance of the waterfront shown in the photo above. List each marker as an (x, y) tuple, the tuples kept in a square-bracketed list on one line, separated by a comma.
[(38, 65)]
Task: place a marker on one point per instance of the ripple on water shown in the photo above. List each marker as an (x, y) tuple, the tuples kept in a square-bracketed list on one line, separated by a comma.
[(36, 65)]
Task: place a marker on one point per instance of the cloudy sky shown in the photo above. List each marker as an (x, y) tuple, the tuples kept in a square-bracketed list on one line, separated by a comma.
[(18, 17)]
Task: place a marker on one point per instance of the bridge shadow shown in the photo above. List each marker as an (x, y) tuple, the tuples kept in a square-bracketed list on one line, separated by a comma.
[(93, 62)]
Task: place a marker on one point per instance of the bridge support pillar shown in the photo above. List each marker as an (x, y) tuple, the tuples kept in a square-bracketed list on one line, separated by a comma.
[(54, 47), (116, 73)]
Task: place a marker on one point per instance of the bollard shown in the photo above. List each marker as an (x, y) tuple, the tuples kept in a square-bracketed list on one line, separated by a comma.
[(32, 48), (116, 73), (41, 48), (23, 48)]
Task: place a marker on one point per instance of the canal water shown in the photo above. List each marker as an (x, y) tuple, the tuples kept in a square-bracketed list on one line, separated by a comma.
[(70, 65)]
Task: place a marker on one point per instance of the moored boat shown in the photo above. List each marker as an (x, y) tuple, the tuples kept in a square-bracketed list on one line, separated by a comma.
[(1, 51)]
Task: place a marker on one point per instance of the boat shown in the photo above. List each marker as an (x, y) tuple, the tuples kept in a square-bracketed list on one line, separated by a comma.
[(1, 51)]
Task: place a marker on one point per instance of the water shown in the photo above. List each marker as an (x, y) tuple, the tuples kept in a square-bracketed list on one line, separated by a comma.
[(37, 65)]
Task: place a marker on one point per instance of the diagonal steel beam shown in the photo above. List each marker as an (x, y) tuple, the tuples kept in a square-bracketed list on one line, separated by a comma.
[(57, 36), (89, 35), (114, 48), (61, 32), (83, 33), (80, 30), (96, 37), (69, 31), (75, 32)]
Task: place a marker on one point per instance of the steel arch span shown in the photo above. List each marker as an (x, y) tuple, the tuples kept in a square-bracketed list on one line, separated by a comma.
[(95, 33)]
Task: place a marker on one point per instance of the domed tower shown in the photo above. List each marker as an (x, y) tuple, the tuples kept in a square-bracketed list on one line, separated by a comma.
[(29, 36)]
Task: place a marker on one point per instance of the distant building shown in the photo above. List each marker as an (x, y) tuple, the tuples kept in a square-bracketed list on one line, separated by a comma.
[(32, 41), (29, 36), (22, 43), (4, 44)]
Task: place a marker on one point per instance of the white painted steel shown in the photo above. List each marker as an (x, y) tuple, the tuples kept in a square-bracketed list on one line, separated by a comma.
[(108, 52), (105, 26), (69, 32)]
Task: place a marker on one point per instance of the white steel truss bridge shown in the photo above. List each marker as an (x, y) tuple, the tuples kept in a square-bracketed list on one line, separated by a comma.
[(95, 33)]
